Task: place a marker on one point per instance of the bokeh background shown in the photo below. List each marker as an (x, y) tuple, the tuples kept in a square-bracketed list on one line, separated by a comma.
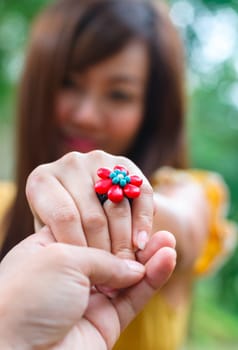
[(209, 29)]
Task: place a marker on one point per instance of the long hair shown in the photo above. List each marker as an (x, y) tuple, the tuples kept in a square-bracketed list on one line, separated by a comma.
[(75, 34)]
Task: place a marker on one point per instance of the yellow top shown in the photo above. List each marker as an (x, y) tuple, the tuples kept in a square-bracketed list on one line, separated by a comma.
[(7, 193), (160, 326), (163, 327)]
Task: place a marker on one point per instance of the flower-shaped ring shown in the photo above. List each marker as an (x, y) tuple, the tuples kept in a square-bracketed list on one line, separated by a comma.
[(117, 183)]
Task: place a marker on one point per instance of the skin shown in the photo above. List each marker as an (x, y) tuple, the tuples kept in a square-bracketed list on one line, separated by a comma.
[(68, 313), (58, 199), (102, 107), (99, 108), (65, 201)]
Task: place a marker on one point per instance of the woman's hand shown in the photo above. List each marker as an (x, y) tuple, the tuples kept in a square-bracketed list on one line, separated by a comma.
[(62, 196), (46, 299)]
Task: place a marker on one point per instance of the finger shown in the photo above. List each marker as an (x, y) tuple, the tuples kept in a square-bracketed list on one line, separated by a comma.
[(158, 270), (54, 206), (142, 207), (131, 301), (95, 222), (159, 240), (31, 245), (43, 237), (142, 215), (99, 266), (37, 240), (79, 183), (120, 228)]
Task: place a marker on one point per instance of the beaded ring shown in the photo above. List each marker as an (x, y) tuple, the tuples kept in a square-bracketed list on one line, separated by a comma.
[(116, 184)]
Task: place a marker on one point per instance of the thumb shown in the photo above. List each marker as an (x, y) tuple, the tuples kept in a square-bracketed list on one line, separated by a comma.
[(99, 266)]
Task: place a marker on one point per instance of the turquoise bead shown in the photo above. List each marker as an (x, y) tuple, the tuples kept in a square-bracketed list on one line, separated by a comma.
[(113, 174), (115, 180), (123, 182), (120, 177), (128, 179)]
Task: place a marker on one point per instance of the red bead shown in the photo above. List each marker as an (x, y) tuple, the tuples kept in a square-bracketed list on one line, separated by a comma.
[(103, 173), (136, 180), (102, 186), (115, 193), (121, 168), (131, 191)]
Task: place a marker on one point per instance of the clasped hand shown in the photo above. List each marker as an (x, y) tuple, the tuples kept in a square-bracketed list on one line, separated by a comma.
[(48, 293), (61, 195), (47, 300)]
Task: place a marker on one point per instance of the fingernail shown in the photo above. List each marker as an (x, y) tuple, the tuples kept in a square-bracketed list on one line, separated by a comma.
[(135, 266), (142, 239)]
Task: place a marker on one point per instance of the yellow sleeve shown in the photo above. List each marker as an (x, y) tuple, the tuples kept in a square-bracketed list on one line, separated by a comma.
[(7, 193), (222, 232)]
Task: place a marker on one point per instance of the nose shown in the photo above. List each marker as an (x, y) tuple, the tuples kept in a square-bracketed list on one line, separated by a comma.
[(87, 111)]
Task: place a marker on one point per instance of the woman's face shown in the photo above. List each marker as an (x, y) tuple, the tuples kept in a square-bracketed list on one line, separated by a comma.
[(103, 106)]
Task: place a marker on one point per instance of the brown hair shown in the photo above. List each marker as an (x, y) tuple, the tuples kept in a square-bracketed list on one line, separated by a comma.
[(73, 34)]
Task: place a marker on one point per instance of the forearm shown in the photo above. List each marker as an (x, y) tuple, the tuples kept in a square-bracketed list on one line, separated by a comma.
[(9, 345), (184, 212), (10, 339)]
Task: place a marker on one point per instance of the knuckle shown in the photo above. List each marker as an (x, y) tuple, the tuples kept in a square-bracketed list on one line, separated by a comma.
[(93, 221), (98, 156), (126, 162), (64, 215), (130, 165), (101, 155), (123, 251), (71, 159), (97, 153), (147, 190), (144, 219), (35, 180)]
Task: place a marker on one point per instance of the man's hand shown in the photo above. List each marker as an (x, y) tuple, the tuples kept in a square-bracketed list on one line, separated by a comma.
[(47, 298)]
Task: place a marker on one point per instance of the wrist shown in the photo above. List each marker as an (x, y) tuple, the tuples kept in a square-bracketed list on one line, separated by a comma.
[(9, 345), (10, 336), (8, 342)]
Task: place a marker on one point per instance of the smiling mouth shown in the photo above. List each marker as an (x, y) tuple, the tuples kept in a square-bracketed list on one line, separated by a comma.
[(80, 144)]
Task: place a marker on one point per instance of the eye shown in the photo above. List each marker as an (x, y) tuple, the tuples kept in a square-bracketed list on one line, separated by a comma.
[(120, 96)]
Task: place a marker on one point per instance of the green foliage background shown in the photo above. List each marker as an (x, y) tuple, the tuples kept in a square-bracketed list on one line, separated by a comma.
[(209, 29)]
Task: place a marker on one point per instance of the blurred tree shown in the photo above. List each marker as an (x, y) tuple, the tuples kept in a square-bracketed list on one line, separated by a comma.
[(210, 32), (15, 18)]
